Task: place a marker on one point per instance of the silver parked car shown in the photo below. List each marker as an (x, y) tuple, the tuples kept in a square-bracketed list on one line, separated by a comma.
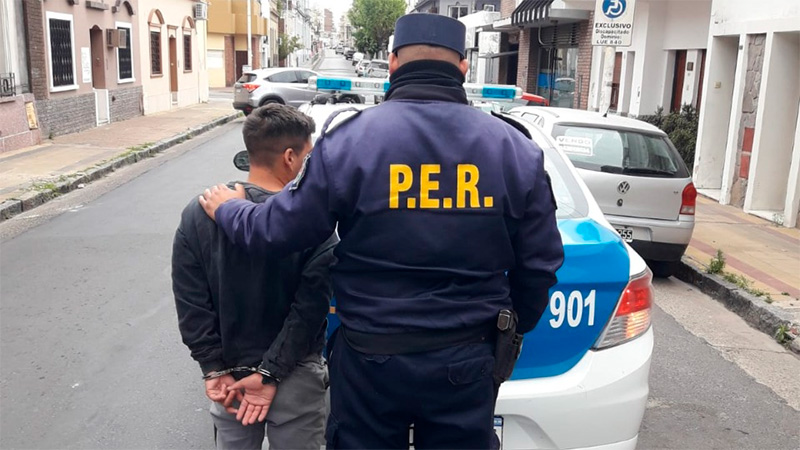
[(378, 68), (288, 86), (634, 172), (361, 67)]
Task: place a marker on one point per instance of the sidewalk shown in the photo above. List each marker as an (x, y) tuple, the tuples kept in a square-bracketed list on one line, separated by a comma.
[(762, 264), (30, 176)]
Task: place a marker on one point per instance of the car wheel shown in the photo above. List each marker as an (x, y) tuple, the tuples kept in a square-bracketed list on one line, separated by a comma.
[(349, 99), (663, 269), (270, 100)]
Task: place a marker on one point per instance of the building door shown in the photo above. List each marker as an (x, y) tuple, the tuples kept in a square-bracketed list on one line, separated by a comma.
[(173, 69), (677, 80), (700, 80), (241, 60), (98, 55)]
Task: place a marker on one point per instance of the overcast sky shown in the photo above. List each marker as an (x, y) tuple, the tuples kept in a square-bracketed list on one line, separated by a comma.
[(338, 7)]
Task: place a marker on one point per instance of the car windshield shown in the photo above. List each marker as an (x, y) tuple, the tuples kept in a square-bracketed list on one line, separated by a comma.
[(247, 77), (619, 151), (380, 65)]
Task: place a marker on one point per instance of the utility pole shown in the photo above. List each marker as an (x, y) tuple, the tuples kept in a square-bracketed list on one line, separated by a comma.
[(249, 36)]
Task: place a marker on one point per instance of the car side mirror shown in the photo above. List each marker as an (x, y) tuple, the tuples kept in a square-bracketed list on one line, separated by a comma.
[(242, 161)]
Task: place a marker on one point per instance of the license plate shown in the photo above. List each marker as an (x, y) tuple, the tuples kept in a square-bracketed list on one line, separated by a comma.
[(498, 429), (626, 234)]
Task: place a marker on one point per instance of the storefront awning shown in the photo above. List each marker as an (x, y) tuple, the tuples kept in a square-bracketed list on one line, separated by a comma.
[(536, 13)]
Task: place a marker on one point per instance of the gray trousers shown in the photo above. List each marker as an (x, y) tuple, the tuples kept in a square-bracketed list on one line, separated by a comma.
[(296, 418)]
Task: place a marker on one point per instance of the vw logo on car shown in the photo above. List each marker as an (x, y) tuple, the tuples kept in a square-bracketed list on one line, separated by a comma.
[(623, 187)]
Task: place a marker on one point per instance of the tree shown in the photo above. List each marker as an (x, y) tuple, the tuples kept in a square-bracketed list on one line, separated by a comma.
[(287, 45), (374, 22)]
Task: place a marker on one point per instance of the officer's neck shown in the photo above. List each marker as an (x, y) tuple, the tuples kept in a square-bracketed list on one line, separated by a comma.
[(267, 179)]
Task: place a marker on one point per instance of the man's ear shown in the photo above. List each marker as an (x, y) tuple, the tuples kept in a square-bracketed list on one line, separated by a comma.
[(393, 63), (289, 156), (463, 66)]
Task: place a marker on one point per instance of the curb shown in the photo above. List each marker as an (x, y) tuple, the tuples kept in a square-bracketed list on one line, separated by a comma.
[(32, 199), (756, 312)]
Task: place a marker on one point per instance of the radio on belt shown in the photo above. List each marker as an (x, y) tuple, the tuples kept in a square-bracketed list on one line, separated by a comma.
[(379, 86)]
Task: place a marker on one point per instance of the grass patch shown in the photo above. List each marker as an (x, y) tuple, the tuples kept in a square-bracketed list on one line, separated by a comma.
[(717, 264), (44, 186), (782, 334)]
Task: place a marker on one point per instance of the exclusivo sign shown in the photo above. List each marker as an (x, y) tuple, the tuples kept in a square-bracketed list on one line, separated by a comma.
[(613, 23)]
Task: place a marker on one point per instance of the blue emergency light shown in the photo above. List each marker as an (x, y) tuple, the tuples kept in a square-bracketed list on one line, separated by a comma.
[(379, 86)]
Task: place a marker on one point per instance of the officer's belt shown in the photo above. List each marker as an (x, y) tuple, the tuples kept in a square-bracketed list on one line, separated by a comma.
[(419, 341)]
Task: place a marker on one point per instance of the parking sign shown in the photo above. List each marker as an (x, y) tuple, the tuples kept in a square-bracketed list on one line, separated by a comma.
[(613, 22)]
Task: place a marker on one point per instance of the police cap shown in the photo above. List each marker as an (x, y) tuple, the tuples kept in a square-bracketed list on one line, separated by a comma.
[(429, 29)]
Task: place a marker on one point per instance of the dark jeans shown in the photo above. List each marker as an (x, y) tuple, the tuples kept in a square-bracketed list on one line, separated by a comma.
[(447, 394)]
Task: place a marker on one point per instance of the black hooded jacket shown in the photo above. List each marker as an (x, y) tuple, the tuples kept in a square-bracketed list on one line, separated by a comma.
[(235, 308)]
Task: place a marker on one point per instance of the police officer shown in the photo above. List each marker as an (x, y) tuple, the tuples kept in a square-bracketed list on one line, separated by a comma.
[(446, 217)]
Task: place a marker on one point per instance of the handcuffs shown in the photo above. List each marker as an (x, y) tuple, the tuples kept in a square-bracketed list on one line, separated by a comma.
[(267, 376)]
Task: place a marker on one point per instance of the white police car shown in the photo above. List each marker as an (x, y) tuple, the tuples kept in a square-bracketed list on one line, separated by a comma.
[(582, 378)]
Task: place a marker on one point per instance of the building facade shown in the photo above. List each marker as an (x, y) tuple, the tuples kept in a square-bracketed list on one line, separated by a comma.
[(84, 62), (173, 60), (748, 146), (229, 50), (19, 126)]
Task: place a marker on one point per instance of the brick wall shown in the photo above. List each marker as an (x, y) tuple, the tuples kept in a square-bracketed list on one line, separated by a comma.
[(125, 103), (230, 62), (528, 60), (507, 7), (66, 115), (584, 72), (37, 53)]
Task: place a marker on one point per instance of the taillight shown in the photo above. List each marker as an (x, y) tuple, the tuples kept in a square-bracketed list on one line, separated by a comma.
[(632, 317), (688, 199), (250, 87)]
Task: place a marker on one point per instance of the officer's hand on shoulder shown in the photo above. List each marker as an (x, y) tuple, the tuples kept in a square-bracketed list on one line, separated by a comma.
[(217, 195)]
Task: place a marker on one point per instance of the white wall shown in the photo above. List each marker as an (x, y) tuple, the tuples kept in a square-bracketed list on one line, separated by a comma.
[(754, 16), (687, 24)]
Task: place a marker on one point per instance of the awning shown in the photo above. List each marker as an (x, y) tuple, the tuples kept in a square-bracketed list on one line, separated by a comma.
[(499, 55), (536, 13)]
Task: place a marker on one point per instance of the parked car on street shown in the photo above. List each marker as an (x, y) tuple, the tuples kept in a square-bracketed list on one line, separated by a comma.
[(288, 86), (339, 49), (378, 68), (348, 54), (586, 364), (361, 67), (634, 172)]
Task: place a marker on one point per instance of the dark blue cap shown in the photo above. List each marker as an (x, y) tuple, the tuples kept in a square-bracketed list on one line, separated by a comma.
[(429, 29)]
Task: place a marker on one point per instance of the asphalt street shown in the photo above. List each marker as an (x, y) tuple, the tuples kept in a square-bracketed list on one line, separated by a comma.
[(90, 355)]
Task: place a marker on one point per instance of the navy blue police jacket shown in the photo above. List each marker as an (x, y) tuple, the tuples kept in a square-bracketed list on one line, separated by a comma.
[(445, 213)]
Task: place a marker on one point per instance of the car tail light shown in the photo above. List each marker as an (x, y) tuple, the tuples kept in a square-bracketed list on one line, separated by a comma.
[(632, 317), (688, 199), (250, 87)]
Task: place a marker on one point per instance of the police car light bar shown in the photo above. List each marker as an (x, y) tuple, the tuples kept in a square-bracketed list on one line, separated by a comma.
[(379, 86)]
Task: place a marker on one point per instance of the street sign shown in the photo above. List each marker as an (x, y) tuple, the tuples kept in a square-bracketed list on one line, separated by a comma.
[(613, 22)]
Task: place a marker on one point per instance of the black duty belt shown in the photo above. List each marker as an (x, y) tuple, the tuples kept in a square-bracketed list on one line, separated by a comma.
[(418, 342)]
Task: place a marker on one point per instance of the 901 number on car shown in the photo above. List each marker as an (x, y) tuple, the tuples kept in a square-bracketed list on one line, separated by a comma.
[(572, 309)]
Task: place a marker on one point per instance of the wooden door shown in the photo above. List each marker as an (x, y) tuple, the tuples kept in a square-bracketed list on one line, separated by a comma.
[(98, 52), (702, 75), (615, 81), (241, 60), (173, 64), (677, 80)]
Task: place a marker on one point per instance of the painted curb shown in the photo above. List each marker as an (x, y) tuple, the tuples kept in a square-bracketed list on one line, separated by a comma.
[(755, 311), (32, 199)]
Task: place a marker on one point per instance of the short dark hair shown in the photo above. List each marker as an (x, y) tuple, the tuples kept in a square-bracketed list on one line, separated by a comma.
[(269, 130)]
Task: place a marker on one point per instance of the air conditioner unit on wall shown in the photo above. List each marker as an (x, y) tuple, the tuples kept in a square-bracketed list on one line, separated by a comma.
[(200, 11), (112, 38)]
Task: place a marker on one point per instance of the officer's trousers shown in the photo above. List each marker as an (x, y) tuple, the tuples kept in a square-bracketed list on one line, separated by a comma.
[(448, 395)]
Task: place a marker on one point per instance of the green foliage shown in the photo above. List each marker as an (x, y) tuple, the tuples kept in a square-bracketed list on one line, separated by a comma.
[(374, 21), (782, 334), (717, 264), (287, 45), (681, 129), (738, 280)]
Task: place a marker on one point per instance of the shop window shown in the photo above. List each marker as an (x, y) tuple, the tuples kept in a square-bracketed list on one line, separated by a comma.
[(155, 52), (62, 61)]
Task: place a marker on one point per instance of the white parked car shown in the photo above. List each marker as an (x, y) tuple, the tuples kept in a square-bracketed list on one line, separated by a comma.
[(582, 378), (634, 172)]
